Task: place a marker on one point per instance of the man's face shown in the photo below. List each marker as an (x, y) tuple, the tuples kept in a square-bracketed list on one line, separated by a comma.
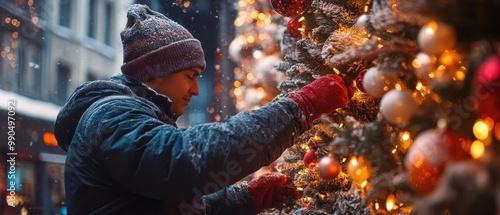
[(179, 87)]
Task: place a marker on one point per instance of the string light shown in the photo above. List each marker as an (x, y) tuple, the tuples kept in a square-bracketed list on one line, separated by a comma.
[(481, 130), (477, 149), (390, 203)]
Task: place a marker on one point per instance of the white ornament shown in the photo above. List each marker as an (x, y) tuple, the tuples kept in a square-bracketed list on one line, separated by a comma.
[(398, 106), (436, 37), (377, 83), (424, 64)]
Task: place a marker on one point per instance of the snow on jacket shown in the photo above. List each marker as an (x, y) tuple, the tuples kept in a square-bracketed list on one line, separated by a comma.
[(125, 154)]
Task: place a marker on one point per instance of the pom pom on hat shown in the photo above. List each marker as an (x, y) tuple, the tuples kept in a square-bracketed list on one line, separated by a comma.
[(154, 46)]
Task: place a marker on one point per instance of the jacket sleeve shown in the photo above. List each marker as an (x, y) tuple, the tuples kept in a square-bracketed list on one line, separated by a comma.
[(157, 160), (230, 200)]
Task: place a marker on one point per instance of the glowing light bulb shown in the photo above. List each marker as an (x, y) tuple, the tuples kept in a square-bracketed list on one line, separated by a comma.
[(477, 149), (481, 130), (390, 202)]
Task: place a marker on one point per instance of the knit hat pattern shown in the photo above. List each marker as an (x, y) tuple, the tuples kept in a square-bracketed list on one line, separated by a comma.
[(154, 46)]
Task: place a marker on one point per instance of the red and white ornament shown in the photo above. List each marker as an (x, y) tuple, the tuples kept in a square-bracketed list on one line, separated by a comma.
[(359, 80), (329, 168), (295, 26), (428, 156), (290, 7), (486, 88), (310, 159)]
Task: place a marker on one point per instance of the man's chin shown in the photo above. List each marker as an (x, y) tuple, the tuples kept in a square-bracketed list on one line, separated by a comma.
[(178, 112)]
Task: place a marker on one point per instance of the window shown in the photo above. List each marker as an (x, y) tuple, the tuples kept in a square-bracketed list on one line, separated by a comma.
[(63, 74), (92, 19), (108, 24), (39, 9), (65, 13), (33, 81), (11, 53), (20, 67)]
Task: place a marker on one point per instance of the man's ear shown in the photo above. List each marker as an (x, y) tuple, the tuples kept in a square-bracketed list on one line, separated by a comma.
[(155, 82)]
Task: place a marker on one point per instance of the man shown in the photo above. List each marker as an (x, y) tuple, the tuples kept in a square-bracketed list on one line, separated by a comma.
[(125, 154)]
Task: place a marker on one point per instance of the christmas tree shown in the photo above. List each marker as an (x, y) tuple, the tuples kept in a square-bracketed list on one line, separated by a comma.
[(421, 134), (255, 50)]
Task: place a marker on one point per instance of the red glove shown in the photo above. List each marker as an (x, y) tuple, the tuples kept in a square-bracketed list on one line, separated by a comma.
[(323, 96), (270, 190)]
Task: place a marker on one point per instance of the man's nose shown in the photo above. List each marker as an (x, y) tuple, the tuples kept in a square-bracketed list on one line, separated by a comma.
[(194, 89)]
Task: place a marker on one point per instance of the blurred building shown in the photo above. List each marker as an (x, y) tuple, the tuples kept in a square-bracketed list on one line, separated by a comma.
[(50, 47), (47, 49)]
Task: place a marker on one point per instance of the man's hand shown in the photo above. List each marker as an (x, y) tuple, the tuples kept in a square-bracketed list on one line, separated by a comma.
[(271, 191)]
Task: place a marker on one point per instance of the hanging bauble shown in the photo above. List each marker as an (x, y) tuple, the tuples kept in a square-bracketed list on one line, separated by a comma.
[(329, 168), (295, 26), (428, 155), (376, 83), (239, 49), (486, 88), (359, 80), (398, 106), (436, 37), (310, 159), (290, 7), (359, 169), (424, 65)]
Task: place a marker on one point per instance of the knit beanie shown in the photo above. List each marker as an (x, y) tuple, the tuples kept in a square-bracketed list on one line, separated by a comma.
[(155, 46)]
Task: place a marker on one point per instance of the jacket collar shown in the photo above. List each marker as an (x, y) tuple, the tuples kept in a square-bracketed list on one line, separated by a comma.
[(142, 90)]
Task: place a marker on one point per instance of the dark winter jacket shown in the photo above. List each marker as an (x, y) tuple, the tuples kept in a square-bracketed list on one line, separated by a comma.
[(125, 154)]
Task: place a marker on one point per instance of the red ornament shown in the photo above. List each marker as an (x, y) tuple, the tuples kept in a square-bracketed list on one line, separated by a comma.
[(310, 159), (428, 156), (329, 168), (359, 80), (294, 27), (290, 7), (486, 89)]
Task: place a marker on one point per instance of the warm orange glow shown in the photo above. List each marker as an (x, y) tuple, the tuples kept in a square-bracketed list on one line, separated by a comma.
[(237, 84), (477, 149), (49, 139)]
